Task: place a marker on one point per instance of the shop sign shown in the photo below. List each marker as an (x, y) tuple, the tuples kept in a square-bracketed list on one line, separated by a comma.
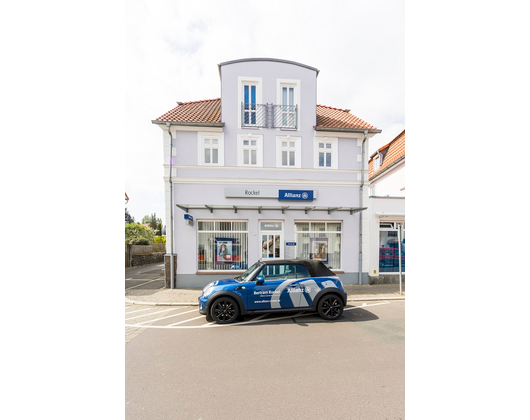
[(251, 192), (295, 195)]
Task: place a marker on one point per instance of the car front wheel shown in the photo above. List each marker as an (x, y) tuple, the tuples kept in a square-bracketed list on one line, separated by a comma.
[(224, 310), (330, 307)]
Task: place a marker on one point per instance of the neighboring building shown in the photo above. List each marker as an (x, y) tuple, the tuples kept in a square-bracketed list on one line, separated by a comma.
[(387, 210), (264, 172)]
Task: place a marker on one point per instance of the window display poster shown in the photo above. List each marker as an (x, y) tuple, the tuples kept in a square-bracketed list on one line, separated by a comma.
[(224, 248), (318, 249)]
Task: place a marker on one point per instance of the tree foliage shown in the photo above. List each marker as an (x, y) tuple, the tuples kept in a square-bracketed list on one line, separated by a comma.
[(136, 234), (128, 217)]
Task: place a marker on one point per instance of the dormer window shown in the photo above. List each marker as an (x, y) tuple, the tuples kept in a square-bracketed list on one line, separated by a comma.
[(377, 161), (251, 110)]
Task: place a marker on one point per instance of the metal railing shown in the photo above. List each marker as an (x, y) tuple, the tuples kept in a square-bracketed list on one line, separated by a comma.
[(269, 116)]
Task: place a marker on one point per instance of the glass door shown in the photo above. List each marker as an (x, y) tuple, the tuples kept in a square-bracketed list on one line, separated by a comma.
[(271, 239)]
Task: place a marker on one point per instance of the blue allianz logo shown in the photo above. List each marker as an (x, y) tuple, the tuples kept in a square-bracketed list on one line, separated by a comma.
[(295, 195)]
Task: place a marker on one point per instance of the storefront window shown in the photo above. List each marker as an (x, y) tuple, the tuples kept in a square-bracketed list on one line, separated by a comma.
[(319, 241), (222, 245), (389, 247)]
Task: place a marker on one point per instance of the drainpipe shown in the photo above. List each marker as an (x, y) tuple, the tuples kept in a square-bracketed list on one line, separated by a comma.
[(171, 267), (361, 213)]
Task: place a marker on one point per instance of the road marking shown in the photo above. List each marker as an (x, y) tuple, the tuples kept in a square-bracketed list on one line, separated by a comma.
[(169, 316), (141, 284), (186, 320), (150, 313), (259, 319), (139, 310)]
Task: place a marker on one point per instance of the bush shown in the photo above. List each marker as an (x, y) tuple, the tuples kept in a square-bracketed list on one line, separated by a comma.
[(140, 241), (160, 240), (135, 232)]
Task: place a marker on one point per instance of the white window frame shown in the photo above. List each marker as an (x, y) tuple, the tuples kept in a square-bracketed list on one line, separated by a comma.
[(289, 83), (334, 150), (252, 81), (376, 162), (241, 138), (202, 137), (297, 148)]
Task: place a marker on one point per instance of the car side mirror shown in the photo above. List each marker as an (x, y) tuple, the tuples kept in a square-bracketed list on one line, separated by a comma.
[(260, 280)]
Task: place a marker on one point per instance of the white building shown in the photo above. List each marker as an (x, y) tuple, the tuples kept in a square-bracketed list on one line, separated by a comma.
[(386, 210), (264, 172)]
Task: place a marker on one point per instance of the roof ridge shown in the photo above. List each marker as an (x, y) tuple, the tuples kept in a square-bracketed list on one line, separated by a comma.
[(200, 100), (331, 107)]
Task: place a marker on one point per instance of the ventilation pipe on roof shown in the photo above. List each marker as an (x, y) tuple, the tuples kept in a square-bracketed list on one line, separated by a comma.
[(361, 213), (171, 236)]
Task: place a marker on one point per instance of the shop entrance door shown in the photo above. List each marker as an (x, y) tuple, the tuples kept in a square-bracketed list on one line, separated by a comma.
[(271, 239)]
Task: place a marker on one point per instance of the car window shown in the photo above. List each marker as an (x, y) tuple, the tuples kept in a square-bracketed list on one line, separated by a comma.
[(301, 271), (248, 274), (278, 271)]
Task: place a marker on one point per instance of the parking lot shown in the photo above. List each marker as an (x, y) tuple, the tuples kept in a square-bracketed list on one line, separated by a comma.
[(281, 366)]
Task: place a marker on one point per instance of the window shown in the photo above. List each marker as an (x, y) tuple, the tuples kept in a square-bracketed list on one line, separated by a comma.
[(283, 271), (377, 162), (287, 114), (249, 150), (251, 111), (211, 149), (325, 153), (288, 152), (222, 245), (249, 101), (319, 241), (389, 247)]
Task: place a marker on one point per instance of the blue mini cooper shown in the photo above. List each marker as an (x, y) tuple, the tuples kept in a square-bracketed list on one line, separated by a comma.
[(275, 286)]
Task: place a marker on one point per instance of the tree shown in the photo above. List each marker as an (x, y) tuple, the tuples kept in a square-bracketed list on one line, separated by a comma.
[(153, 222), (128, 217), (136, 234)]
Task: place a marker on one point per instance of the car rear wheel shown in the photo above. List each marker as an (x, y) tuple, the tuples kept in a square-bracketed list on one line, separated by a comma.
[(330, 307), (224, 310)]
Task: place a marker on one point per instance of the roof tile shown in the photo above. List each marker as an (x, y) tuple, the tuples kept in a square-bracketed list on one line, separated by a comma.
[(205, 111), (328, 117), (209, 111), (396, 150)]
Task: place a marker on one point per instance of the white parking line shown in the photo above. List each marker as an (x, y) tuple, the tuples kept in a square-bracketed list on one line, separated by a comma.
[(258, 319), (141, 284), (165, 317), (150, 313)]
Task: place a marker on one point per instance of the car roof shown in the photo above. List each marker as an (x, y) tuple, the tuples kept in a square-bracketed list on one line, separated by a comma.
[(315, 268)]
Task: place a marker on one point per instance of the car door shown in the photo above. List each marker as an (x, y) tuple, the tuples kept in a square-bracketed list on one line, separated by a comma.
[(280, 288)]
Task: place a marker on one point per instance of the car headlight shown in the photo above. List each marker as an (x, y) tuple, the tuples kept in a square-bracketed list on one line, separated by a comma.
[(207, 291)]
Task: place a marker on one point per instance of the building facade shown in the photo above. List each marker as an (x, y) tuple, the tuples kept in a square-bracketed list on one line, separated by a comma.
[(386, 211), (264, 172)]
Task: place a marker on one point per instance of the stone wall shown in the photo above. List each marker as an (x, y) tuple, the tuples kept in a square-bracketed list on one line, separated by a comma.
[(138, 260), (386, 278)]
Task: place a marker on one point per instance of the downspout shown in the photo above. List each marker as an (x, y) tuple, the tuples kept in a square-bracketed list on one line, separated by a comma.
[(171, 266), (361, 213)]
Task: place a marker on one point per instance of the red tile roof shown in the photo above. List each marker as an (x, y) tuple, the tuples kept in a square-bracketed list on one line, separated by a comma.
[(209, 111), (206, 111), (396, 151), (328, 117)]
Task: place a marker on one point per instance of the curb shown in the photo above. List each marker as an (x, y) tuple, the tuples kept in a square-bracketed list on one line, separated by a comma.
[(356, 299)]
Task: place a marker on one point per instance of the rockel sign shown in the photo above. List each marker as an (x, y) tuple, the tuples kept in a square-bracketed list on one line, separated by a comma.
[(281, 195)]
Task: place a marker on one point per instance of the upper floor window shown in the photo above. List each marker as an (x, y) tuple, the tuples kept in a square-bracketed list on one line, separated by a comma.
[(289, 153), (377, 162), (251, 111), (325, 152), (249, 104), (287, 110), (211, 149), (250, 150)]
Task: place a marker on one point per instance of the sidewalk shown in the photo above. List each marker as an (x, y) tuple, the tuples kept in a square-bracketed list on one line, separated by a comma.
[(188, 297)]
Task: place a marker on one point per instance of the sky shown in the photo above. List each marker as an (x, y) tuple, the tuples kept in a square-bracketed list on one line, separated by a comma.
[(172, 49)]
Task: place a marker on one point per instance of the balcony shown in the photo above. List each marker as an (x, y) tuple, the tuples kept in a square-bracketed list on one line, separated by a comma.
[(269, 116)]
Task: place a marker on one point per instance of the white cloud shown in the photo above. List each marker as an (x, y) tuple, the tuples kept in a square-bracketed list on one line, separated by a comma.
[(173, 48)]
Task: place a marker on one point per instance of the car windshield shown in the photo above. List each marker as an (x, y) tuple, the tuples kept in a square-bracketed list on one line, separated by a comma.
[(248, 274)]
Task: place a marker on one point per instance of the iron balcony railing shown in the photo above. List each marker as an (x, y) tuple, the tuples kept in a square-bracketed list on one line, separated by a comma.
[(269, 116)]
